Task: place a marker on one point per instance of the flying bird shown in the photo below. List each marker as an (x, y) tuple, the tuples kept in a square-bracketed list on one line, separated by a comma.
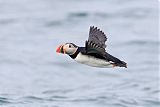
[(94, 53)]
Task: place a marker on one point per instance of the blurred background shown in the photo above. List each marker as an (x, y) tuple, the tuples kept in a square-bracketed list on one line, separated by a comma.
[(32, 74)]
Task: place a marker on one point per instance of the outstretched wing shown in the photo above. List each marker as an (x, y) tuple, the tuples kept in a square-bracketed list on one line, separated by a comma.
[(96, 41)]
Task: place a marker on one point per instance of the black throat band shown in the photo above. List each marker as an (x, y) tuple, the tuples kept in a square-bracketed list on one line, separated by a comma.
[(75, 54)]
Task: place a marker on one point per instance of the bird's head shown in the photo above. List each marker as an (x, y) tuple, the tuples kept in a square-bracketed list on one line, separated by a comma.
[(67, 48)]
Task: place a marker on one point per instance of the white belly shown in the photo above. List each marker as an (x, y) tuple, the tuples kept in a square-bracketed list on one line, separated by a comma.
[(91, 61)]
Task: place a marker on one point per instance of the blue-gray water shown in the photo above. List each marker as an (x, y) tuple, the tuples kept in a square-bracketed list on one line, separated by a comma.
[(32, 74)]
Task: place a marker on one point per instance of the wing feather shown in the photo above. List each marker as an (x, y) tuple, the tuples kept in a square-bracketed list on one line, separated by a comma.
[(96, 40)]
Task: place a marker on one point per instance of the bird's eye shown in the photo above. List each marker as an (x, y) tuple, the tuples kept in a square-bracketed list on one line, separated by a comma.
[(69, 46)]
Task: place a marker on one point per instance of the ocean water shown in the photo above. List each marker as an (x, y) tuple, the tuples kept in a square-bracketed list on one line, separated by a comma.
[(32, 74)]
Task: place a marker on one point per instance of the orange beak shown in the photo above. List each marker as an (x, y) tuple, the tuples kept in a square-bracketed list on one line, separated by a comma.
[(60, 49)]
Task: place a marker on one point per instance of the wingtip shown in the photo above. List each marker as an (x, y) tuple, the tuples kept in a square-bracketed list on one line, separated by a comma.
[(91, 27), (124, 64)]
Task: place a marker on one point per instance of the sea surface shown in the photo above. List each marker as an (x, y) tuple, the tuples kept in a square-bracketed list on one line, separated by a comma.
[(32, 74)]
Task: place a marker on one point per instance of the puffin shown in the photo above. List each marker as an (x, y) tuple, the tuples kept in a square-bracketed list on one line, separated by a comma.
[(93, 53)]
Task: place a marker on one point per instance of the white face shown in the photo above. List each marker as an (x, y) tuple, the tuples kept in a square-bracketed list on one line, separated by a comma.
[(69, 49)]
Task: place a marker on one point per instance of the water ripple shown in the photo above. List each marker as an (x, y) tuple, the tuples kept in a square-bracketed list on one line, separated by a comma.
[(7, 21), (33, 98), (152, 102), (54, 23), (78, 15), (141, 42), (57, 91), (4, 101)]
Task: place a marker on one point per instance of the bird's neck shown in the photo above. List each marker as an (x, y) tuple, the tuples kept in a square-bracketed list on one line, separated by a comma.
[(79, 49)]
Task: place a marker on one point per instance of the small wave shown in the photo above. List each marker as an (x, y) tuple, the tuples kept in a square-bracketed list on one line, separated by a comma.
[(119, 105), (6, 21), (4, 101), (156, 92), (152, 102), (56, 91), (147, 88), (78, 14), (127, 84), (84, 100), (135, 13), (54, 23), (33, 98), (130, 102), (58, 97), (141, 42)]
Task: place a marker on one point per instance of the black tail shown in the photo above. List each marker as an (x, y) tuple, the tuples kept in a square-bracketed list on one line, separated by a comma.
[(115, 60)]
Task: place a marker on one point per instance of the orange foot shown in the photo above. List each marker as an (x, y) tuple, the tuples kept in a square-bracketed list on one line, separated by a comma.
[(114, 65)]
